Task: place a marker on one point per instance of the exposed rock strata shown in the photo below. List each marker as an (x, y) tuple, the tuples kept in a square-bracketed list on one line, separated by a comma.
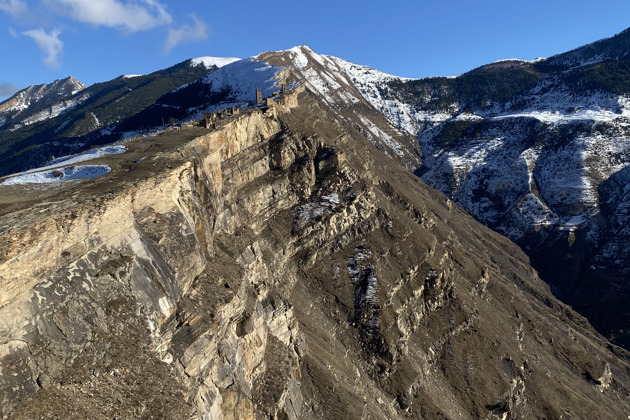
[(282, 267)]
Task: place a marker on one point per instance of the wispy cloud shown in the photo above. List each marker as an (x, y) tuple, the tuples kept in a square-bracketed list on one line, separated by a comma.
[(132, 16), (13, 7), (7, 89), (198, 31), (49, 43)]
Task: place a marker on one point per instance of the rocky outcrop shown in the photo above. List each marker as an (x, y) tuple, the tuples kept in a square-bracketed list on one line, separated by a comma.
[(281, 267)]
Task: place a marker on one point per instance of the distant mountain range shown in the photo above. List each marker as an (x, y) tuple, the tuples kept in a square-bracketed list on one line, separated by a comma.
[(38, 103), (536, 150), (64, 117)]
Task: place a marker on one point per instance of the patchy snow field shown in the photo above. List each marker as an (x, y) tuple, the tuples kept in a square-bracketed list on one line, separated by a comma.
[(67, 173), (61, 169), (241, 79), (82, 157), (210, 62)]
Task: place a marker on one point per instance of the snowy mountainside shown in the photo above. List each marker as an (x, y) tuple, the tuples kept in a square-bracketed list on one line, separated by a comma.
[(239, 80), (232, 85), (327, 77), (368, 81), (210, 62), (36, 103), (531, 150)]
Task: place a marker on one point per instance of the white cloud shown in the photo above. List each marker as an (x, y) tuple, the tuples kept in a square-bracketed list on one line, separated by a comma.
[(198, 31), (138, 15), (7, 89), (50, 44), (13, 7)]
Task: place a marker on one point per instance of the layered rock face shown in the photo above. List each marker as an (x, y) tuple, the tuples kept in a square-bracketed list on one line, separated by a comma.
[(281, 267)]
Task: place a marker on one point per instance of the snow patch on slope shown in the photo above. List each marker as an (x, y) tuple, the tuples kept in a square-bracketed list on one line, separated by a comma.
[(82, 157), (557, 117), (381, 135), (605, 155), (472, 157), (300, 60), (518, 60), (241, 79), (61, 169), (58, 175), (327, 81), (316, 210), (531, 207), (54, 111), (371, 83), (210, 62), (96, 120), (550, 102)]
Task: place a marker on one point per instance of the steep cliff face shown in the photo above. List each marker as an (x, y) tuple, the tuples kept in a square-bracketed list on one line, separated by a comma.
[(282, 267)]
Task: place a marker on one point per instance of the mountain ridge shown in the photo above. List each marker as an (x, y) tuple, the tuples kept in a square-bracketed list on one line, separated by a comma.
[(616, 47), (526, 148), (34, 99), (279, 265)]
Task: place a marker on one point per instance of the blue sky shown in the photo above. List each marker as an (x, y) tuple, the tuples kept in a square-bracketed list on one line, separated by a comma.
[(98, 40)]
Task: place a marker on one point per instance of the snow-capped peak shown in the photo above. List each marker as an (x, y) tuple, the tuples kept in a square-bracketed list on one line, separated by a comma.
[(507, 60), (210, 62), (300, 48), (339, 84), (51, 98), (242, 77)]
